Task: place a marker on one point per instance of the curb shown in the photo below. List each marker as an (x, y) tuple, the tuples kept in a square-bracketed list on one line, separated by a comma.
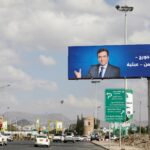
[(100, 145)]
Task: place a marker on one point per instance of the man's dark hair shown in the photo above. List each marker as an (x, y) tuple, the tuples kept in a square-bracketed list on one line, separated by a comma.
[(103, 50)]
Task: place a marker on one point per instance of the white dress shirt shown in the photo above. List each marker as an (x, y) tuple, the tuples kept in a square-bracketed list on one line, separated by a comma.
[(104, 69)]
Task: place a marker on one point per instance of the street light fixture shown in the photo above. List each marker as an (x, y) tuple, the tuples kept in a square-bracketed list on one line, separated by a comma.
[(125, 9), (62, 101), (4, 86)]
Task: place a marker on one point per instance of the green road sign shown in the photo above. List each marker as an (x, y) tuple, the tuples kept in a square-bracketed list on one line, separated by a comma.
[(115, 105)]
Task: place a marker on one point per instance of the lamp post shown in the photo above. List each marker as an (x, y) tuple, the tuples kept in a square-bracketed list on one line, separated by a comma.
[(3, 87), (62, 102), (125, 9), (95, 82), (140, 116)]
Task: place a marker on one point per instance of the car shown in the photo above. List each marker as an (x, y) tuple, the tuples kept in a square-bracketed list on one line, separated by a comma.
[(86, 138), (8, 136), (69, 137), (1, 140), (58, 138), (77, 138), (42, 140), (4, 138), (95, 136), (114, 137)]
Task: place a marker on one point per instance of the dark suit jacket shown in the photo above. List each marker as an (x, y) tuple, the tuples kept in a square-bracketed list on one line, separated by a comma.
[(111, 71)]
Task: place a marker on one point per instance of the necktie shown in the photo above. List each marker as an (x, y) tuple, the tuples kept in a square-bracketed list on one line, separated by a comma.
[(101, 72)]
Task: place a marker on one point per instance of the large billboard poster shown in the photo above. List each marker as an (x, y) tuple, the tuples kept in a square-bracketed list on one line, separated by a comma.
[(108, 61)]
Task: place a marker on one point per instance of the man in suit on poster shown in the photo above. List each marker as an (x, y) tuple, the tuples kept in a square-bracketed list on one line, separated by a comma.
[(101, 70)]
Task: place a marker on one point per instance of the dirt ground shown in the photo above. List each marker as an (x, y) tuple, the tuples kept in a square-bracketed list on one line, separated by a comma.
[(138, 141)]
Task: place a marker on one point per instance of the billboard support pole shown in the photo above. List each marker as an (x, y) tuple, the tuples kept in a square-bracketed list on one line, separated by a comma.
[(125, 9), (96, 114), (109, 137), (149, 107)]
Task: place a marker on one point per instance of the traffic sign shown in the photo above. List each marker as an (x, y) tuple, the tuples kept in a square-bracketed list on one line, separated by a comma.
[(115, 105)]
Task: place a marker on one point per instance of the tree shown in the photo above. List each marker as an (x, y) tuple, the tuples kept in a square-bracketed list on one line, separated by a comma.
[(80, 125)]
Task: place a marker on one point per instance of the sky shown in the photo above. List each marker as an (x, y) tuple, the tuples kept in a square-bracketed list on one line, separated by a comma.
[(34, 40)]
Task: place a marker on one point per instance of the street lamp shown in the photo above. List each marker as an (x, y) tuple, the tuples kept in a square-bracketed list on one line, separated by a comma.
[(140, 103), (125, 9), (62, 101), (4, 86)]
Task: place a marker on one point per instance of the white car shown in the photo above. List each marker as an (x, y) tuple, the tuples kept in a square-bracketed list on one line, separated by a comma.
[(77, 138), (8, 136), (114, 137), (86, 138), (42, 140), (1, 141), (69, 137), (4, 138), (58, 138)]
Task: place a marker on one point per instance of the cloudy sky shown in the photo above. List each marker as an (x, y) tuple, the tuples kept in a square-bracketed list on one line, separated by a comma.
[(34, 40)]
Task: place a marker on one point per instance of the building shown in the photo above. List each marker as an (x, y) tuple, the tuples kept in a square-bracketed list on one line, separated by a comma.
[(88, 125)]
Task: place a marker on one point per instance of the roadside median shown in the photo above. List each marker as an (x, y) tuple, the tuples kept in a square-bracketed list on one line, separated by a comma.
[(114, 146)]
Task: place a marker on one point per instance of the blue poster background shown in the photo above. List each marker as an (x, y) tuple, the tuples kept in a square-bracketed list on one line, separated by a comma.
[(133, 60)]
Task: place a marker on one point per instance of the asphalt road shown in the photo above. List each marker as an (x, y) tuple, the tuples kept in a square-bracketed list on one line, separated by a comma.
[(27, 145)]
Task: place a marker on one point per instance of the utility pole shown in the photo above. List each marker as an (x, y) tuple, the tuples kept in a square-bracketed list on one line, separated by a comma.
[(124, 9), (140, 117), (148, 107), (95, 82)]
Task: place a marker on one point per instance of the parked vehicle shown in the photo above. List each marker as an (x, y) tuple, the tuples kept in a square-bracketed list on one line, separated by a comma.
[(58, 138), (42, 140), (114, 137), (86, 138), (8, 136), (1, 141), (4, 138), (95, 136), (77, 138), (69, 137)]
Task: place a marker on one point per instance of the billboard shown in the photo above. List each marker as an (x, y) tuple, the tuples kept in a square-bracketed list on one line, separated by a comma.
[(108, 61)]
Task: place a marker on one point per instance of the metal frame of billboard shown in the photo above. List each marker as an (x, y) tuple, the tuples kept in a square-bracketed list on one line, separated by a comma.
[(112, 48)]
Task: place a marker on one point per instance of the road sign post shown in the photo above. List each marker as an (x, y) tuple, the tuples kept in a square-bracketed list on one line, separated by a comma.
[(115, 105)]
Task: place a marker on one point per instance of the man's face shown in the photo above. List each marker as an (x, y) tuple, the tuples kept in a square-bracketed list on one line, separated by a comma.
[(103, 58)]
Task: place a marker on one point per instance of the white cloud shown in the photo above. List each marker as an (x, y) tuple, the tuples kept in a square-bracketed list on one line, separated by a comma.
[(136, 37), (44, 84), (47, 60), (36, 25), (71, 107), (7, 100), (22, 81), (52, 25), (8, 56), (82, 103)]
